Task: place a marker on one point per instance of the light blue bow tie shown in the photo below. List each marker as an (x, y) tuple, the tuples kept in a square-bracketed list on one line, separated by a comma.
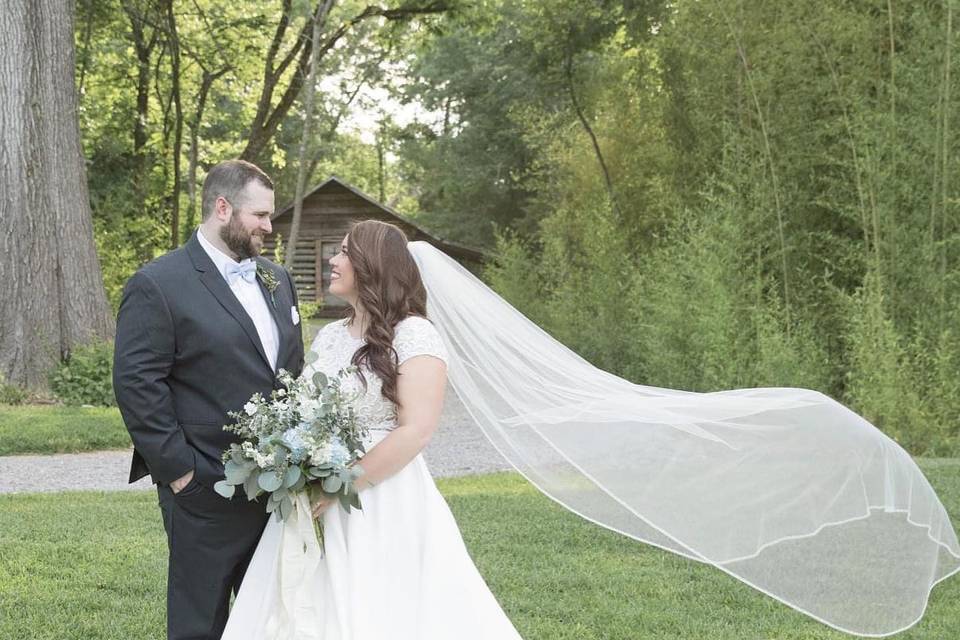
[(246, 270)]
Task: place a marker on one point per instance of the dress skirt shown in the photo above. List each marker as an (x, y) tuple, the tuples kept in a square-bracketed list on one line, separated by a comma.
[(396, 570)]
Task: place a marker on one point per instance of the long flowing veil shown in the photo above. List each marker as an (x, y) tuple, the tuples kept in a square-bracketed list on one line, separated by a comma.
[(783, 488)]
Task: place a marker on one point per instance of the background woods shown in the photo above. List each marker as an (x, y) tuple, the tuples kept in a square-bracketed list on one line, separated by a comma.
[(698, 195)]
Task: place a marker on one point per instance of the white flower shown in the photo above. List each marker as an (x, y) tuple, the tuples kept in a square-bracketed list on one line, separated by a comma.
[(263, 460), (250, 408), (333, 452), (309, 409)]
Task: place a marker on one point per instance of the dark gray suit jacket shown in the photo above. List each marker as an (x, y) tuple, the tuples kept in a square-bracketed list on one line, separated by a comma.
[(186, 353)]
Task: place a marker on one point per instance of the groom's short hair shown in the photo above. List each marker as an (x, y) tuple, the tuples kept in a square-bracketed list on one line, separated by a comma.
[(228, 179)]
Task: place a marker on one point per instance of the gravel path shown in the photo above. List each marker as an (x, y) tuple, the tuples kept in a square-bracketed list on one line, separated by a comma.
[(457, 448)]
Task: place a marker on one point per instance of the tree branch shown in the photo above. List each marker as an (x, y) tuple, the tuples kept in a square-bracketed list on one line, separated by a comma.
[(568, 71), (264, 127)]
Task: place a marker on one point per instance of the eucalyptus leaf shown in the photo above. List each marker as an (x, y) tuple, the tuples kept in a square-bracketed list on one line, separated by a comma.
[(286, 507), (224, 489), (320, 380), (292, 476), (300, 484), (332, 484), (235, 473), (270, 481), (251, 485), (310, 357)]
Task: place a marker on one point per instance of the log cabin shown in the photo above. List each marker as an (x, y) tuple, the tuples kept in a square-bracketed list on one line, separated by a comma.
[(328, 212)]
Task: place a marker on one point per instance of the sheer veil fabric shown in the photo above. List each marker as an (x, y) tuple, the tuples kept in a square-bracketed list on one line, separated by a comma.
[(783, 488)]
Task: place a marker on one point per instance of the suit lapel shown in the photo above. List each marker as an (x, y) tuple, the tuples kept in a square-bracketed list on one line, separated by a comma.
[(214, 282)]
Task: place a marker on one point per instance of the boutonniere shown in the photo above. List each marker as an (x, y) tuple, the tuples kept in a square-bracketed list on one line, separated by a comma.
[(269, 281)]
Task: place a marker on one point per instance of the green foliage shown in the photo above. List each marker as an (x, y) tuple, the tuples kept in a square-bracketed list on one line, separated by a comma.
[(782, 207), (86, 376), (11, 394), (515, 276), (128, 117), (590, 274), (309, 310), (123, 246), (888, 378)]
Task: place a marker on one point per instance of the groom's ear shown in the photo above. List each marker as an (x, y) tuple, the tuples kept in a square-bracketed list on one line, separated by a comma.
[(222, 209)]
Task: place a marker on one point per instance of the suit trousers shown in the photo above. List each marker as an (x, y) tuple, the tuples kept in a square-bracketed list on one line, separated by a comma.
[(211, 540)]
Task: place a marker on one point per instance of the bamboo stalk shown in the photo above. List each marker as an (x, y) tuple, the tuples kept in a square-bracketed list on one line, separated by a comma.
[(944, 155), (893, 67), (768, 151), (848, 124)]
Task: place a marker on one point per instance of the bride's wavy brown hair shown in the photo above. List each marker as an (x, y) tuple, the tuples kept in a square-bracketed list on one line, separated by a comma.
[(389, 289)]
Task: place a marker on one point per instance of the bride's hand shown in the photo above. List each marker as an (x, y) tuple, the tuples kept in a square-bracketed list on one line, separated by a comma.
[(322, 504)]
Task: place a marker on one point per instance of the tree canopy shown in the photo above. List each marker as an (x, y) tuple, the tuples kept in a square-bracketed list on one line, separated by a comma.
[(700, 195)]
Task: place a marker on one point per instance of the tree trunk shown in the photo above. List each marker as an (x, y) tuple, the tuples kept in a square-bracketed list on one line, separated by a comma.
[(174, 45), (193, 154), (381, 165), (143, 46), (311, 90), (51, 280)]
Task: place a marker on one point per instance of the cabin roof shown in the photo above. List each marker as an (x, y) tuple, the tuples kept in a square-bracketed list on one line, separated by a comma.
[(451, 247)]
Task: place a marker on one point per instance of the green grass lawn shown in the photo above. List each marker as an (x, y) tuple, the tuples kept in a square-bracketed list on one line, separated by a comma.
[(42, 429), (92, 565), (55, 429)]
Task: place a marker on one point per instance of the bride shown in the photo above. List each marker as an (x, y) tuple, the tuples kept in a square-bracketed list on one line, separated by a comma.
[(398, 568), (784, 489)]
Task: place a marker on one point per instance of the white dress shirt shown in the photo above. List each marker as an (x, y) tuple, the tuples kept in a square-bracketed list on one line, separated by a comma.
[(250, 297)]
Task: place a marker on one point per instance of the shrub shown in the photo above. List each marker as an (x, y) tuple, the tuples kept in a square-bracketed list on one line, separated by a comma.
[(309, 309), (86, 376), (11, 394), (881, 384)]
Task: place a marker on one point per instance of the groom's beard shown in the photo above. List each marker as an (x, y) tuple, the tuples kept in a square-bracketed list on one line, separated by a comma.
[(240, 241)]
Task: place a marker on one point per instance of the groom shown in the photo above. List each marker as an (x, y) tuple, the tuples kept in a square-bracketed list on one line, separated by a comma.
[(200, 330)]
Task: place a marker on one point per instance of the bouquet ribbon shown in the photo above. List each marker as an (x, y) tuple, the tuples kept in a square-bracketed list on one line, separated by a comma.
[(300, 555)]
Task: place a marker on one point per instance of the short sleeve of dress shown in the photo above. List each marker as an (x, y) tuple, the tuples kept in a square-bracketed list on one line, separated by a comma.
[(416, 336)]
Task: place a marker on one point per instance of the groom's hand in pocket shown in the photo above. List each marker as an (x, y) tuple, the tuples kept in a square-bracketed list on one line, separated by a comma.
[(177, 485)]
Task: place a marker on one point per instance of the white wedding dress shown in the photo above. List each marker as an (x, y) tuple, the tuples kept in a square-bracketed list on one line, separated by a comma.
[(396, 570)]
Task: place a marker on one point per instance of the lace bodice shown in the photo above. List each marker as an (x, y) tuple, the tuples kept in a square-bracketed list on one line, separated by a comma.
[(334, 346)]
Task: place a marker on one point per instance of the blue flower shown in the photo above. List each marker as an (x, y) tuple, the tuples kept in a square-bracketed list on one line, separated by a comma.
[(293, 439)]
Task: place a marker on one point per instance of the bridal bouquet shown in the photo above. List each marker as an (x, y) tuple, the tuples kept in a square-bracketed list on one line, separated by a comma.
[(305, 437)]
